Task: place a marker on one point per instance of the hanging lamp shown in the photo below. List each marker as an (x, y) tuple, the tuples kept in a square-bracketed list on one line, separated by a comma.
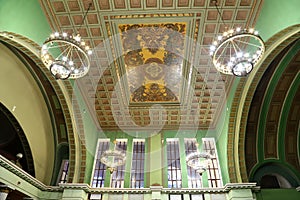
[(66, 56), (236, 51)]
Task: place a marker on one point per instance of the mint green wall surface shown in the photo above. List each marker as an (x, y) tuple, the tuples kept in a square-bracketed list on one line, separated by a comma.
[(90, 133), (278, 194), (277, 15), (24, 17)]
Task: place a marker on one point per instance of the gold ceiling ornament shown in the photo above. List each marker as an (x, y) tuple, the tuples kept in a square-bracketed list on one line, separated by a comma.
[(237, 51), (153, 57), (66, 56)]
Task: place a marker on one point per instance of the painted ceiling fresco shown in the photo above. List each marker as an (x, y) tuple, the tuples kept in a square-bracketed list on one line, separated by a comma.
[(153, 56), (151, 37)]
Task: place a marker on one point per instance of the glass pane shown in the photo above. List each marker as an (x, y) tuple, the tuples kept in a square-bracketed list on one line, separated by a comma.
[(193, 176), (100, 168), (214, 177), (63, 175), (117, 177), (137, 165), (174, 168)]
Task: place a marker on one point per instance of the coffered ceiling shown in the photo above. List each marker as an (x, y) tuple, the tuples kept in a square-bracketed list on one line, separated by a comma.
[(150, 66)]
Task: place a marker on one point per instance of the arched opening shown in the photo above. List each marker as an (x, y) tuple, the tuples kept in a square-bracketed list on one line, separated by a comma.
[(274, 175), (13, 142)]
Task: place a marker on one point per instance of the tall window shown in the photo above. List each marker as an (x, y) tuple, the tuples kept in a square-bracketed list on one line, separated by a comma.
[(194, 180), (137, 165), (100, 168), (117, 178), (173, 159), (63, 176), (213, 173)]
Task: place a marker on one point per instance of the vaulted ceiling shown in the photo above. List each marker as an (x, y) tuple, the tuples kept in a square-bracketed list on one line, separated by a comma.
[(151, 70), (151, 66)]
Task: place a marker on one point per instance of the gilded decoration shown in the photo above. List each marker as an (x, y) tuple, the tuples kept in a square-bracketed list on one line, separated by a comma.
[(153, 56)]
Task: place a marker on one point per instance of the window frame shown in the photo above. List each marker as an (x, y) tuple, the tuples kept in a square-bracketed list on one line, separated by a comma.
[(214, 166), (61, 171), (122, 168), (95, 162), (193, 182), (177, 171), (142, 178)]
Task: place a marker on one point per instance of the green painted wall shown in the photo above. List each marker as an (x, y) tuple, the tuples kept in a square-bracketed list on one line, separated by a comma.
[(24, 17), (155, 165), (277, 15), (91, 133), (278, 194), (89, 167)]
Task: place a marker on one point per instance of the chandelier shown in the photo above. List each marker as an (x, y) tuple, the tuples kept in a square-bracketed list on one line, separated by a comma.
[(66, 56), (113, 159), (198, 161), (237, 51)]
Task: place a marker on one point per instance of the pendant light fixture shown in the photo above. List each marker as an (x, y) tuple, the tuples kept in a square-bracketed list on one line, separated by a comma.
[(66, 56), (237, 50)]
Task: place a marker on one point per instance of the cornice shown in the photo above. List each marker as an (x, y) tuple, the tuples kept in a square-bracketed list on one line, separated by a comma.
[(10, 166)]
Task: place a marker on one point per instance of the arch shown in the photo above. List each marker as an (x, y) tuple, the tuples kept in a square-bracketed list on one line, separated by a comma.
[(13, 141), (285, 177), (31, 49), (240, 110)]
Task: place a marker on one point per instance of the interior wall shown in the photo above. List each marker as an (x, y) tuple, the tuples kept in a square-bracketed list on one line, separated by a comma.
[(22, 96)]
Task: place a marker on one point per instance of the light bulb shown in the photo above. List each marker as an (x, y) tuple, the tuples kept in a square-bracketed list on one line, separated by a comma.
[(239, 54), (65, 58), (77, 38)]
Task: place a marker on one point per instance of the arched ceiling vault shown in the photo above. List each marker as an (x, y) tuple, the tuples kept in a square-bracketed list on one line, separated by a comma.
[(62, 119), (253, 146), (106, 18)]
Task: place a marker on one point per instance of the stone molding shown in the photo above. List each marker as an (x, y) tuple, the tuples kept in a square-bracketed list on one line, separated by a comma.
[(10, 166)]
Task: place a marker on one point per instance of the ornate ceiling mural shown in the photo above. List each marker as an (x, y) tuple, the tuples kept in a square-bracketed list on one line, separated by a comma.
[(153, 56), (152, 52)]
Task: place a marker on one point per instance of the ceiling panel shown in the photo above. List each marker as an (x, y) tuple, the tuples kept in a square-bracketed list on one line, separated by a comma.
[(200, 90)]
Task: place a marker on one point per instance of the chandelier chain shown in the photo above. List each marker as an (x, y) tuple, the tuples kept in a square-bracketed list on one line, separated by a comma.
[(219, 13), (82, 22)]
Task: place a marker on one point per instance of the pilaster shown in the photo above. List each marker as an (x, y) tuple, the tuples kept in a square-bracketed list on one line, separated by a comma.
[(74, 191), (240, 191)]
